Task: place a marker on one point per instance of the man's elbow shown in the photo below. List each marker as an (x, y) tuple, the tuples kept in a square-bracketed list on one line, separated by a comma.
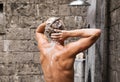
[(97, 32)]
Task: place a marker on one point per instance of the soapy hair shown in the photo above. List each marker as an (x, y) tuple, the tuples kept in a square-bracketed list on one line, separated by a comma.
[(51, 24)]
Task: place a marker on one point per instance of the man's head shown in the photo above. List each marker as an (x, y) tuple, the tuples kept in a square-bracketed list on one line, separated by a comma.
[(51, 24)]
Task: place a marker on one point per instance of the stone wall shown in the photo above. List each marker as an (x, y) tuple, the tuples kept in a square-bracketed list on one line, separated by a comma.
[(19, 55), (114, 41)]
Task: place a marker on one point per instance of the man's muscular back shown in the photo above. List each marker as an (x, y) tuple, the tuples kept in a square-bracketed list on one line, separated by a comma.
[(57, 67), (56, 58)]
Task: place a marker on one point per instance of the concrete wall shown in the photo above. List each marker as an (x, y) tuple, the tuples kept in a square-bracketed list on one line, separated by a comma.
[(19, 55), (114, 41)]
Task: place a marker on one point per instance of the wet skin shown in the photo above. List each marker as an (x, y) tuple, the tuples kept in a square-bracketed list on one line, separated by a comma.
[(56, 66), (56, 58)]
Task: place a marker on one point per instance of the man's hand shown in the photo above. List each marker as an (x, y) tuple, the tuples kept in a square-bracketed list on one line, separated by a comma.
[(60, 35)]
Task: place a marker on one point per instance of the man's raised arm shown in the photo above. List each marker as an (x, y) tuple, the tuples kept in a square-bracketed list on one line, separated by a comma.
[(87, 38), (40, 37)]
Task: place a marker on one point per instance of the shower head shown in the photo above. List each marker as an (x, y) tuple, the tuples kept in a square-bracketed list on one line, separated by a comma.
[(79, 3)]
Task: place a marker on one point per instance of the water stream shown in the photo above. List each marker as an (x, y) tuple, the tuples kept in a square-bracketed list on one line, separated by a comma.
[(91, 13), (90, 59)]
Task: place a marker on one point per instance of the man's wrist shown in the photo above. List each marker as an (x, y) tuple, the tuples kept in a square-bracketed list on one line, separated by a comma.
[(67, 33), (71, 33)]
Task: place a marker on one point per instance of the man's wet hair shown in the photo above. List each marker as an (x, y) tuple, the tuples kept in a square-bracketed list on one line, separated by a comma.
[(53, 23)]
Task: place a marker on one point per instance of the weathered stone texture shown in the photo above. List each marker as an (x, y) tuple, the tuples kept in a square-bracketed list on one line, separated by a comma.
[(18, 34), (17, 1), (114, 4), (6, 78), (32, 36), (30, 68), (36, 57), (1, 45), (113, 75), (27, 78), (20, 45), (114, 44), (78, 10), (64, 10), (113, 62)]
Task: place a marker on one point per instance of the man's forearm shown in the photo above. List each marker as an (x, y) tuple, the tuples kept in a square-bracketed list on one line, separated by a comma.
[(41, 28), (83, 32)]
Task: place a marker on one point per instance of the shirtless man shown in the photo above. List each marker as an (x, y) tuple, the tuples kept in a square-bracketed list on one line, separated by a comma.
[(56, 58)]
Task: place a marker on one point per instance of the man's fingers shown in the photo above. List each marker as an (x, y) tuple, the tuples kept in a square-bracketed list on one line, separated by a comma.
[(56, 30), (56, 34), (55, 37)]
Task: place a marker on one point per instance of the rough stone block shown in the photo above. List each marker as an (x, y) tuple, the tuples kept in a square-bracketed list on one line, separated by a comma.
[(15, 45), (52, 1), (1, 37), (27, 69), (22, 57), (75, 10), (70, 22), (112, 75), (6, 79), (8, 10), (18, 33), (114, 32), (2, 31), (22, 1), (53, 10), (21, 9), (6, 57), (1, 45), (65, 1), (78, 11), (112, 47), (112, 38), (33, 46), (16, 57), (17, 1), (26, 10), (118, 14), (118, 76), (12, 21), (112, 61), (114, 4), (2, 23), (38, 1), (19, 45), (84, 11), (2, 1), (43, 9), (36, 57), (1, 57), (31, 78), (113, 16), (33, 34), (80, 22), (118, 61), (22, 78), (64, 9), (7, 69), (27, 22), (2, 19)]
